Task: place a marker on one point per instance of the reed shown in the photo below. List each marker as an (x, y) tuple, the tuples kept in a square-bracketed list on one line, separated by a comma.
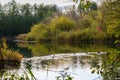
[(9, 54)]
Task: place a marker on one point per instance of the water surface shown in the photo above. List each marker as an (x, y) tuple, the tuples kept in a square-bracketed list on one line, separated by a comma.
[(82, 61)]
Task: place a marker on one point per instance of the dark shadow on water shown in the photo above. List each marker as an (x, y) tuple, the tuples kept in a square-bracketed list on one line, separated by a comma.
[(6, 64)]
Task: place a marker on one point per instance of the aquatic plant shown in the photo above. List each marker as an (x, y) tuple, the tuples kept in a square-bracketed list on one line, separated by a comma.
[(64, 76), (9, 54), (28, 75)]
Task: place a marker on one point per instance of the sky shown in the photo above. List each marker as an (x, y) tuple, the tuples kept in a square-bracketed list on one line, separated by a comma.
[(57, 2)]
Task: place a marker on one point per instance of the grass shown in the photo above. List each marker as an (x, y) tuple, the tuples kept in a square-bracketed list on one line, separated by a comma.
[(9, 54), (28, 75)]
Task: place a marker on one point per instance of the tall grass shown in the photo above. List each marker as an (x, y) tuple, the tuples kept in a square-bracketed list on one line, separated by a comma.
[(28, 75), (9, 54)]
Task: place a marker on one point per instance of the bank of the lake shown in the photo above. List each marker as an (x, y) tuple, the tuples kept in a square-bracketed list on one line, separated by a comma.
[(9, 55)]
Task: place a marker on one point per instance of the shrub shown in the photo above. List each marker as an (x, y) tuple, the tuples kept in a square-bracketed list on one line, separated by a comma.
[(21, 37), (9, 54), (57, 26), (36, 32), (63, 23)]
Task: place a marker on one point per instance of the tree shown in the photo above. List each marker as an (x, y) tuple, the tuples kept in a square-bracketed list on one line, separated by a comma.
[(93, 6), (13, 8), (18, 18), (85, 6), (115, 17), (111, 18), (26, 10)]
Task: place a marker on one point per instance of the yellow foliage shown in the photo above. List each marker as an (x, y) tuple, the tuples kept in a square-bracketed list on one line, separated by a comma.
[(9, 54), (63, 23)]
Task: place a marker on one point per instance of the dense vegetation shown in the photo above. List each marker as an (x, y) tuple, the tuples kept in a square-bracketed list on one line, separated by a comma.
[(91, 22), (7, 54), (88, 22), (18, 18)]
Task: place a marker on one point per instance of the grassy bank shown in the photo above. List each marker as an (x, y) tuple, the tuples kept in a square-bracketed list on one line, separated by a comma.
[(9, 54)]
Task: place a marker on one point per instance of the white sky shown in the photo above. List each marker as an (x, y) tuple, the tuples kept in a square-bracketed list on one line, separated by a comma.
[(60, 3), (57, 2)]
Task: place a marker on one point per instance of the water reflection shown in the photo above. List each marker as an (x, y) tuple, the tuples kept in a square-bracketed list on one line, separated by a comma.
[(38, 49), (77, 65), (80, 61)]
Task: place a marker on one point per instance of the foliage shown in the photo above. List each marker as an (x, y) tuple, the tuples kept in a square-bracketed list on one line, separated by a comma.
[(85, 6), (63, 24), (37, 32), (64, 76), (110, 12), (109, 68), (21, 37), (28, 75), (93, 24), (9, 54), (18, 18), (87, 27), (50, 31)]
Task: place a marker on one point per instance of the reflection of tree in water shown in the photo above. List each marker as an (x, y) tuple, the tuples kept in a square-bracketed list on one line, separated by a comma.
[(45, 63), (105, 64), (40, 49), (109, 67)]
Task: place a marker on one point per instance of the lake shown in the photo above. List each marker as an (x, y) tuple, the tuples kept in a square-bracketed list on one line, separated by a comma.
[(81, 61)]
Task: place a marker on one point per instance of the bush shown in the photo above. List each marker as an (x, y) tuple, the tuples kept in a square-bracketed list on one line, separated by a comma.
[(63, 24), (57, 27), (21, 37), (9, 54), (64, 29), (36, 32)]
